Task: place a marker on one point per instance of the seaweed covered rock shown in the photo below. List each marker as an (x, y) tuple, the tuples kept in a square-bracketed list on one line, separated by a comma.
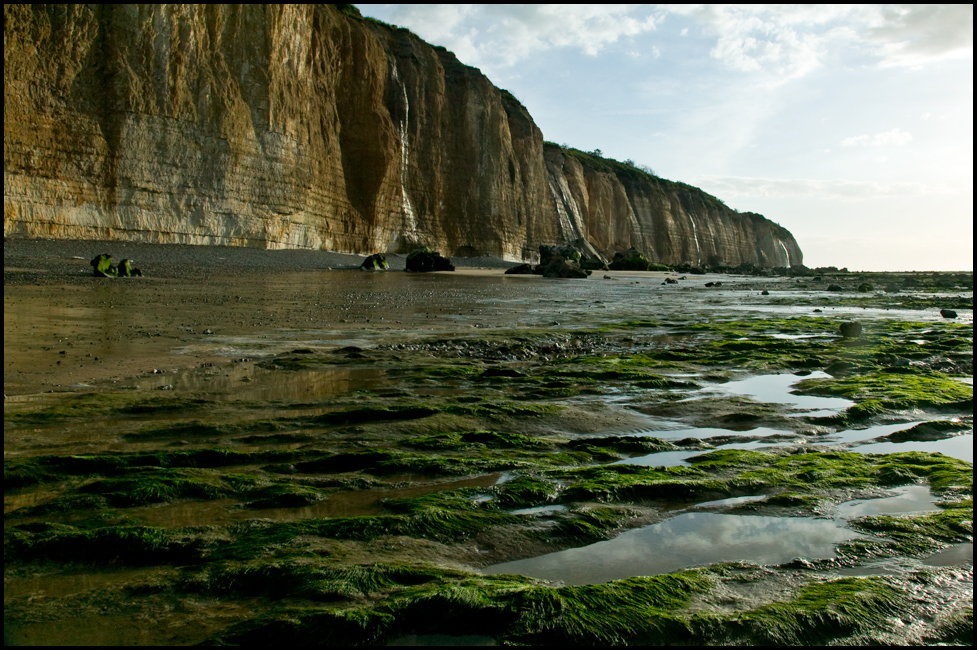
[(375, 262), (629, 260), (102, 266), (425, 260), (851, 329), (127, 270)]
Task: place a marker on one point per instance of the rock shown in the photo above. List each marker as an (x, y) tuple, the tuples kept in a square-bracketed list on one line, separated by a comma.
[(948, 313), (425, 260), (838, 368), (127, 270), (835, 287), (851, 329), (522, 269), (629, 260), (671, 281), (557, 267), (865, 287), (102, 266), (579, 252), (818, 311), (764, 293), (375, 262)]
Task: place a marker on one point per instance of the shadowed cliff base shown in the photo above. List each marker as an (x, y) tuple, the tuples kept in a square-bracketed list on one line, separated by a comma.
[(273, 126)]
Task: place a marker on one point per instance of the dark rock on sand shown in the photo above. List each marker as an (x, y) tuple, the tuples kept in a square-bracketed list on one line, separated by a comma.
[(522, 269), (425, 260), (375, 262), (948, 313), (629, 260)]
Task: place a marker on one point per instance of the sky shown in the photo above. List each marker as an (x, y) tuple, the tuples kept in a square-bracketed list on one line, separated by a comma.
[(851, 126)]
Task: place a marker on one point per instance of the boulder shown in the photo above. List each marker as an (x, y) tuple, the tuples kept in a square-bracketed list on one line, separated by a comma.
[(522, 269), (102, 266), (629, 260), (127, 270), (851, 329), (425, 260), (375, 262), (948, 313), (557, 267)]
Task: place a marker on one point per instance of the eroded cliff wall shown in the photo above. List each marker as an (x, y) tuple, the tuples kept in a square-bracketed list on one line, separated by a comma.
[(615, 207), (300, 126)]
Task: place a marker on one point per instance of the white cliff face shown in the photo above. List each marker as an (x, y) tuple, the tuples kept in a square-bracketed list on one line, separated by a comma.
[(301, 127)]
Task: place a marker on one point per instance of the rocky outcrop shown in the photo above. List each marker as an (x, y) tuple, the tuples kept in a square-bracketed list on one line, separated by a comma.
[(307, 127), (616, 207)]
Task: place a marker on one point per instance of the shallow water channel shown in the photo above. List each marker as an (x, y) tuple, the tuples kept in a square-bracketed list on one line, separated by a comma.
[(701, 537)]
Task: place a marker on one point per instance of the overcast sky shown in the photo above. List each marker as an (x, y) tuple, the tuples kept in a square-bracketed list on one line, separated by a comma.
[(852, 126)]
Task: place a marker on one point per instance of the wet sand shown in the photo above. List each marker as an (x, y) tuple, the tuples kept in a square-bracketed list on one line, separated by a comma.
[(65, 329)]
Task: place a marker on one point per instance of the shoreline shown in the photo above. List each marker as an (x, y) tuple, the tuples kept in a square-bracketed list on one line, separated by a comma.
[(26, 258)]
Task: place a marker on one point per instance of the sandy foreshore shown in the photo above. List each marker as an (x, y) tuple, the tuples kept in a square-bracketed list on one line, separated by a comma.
[(40, 260)]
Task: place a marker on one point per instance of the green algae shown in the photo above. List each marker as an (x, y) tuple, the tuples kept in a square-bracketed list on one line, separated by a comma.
[(526, 492), (322, 588), (918, 534), (820, 613), (75, 406)]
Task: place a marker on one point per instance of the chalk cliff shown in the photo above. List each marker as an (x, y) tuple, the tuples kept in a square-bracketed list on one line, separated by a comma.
[(306, 126)]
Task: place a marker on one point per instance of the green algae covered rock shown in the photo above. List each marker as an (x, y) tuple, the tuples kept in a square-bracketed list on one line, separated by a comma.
[(629, 260), (375, 262), (102, 266)]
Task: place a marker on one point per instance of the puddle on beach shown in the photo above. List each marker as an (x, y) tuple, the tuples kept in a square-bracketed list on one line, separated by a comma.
[(699, 538), (961, 447), (909, 498), (686, 540), (776, 389)]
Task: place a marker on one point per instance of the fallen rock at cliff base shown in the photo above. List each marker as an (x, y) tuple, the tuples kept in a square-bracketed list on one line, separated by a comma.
[(425, 260), (557, 267), (102, 268), (375, 262), (629, 260), (522, 269)]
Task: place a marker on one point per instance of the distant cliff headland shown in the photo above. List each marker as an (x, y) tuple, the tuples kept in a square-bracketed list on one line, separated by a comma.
[(312, 127)]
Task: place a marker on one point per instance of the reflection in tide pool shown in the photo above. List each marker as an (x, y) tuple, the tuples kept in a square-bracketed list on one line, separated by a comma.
[(910, 498), (961, 447), (776, 389), (686, 540)]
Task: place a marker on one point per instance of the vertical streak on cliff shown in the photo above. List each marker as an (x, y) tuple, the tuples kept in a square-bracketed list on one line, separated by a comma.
[(410, 220), (786, 254), (695, 237)]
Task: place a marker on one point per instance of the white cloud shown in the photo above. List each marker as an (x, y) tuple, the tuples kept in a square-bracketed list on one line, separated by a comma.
[(801, 188), (896, 137), (789, 41), (504, 35), (916, 34)]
